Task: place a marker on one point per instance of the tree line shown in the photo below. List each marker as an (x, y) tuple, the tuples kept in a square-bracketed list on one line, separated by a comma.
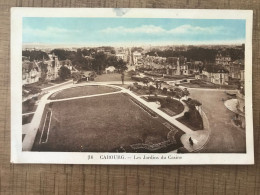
[(199, 54), (83, 59), (91, 59), (35, 55)]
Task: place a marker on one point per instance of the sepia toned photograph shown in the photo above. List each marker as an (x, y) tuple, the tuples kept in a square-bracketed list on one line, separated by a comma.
[(131, 86)]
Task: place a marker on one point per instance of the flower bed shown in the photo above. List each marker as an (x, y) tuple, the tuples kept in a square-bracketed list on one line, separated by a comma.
[(192, 118)]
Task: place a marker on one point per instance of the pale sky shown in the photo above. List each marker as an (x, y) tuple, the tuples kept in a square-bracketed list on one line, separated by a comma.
[(111, 31)]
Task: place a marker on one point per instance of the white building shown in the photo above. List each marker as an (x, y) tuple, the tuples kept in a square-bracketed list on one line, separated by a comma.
[(136, 57), (30, 72), (216, 75)]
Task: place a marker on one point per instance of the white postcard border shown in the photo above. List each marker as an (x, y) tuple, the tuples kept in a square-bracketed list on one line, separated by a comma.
[(18, 156)]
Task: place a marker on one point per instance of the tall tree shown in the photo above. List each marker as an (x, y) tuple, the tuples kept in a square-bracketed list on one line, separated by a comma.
[(121, 65), (64, 73), (99, 62), (112, 61)]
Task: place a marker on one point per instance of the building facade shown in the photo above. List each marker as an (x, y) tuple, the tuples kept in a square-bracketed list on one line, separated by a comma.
[(136, 57), (236, 68), (223, 60), (216, 75), (30, 72)]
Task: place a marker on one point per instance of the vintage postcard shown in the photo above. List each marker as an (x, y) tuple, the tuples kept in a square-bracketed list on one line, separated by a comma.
[(131, 86)]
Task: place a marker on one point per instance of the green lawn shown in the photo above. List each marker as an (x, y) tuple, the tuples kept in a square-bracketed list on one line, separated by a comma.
[(111, 77), (100, 124), (38, 85), (173, 108), (27, 118), (29, 106), (81, 91)]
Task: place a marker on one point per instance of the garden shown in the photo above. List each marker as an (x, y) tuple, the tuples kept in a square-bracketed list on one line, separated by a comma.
[(168, 98), (192, 118)]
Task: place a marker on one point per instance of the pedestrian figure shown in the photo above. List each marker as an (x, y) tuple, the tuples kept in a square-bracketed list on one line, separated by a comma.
[(157, 85), (191, 141), (123, 78)]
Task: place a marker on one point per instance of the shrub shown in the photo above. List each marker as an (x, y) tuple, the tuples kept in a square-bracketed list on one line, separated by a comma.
[(147, 91), (132, 73), (130, 87), (195, 82), (169, 93), (151, 87), (173, 93), (168, 99), (34, 90), (163, 102), (134, 88), (139, 86), (153, 98), (145, 88), (164, 91), (187, 115)]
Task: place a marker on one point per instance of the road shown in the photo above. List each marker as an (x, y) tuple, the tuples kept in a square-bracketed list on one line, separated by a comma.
[(224, 137)]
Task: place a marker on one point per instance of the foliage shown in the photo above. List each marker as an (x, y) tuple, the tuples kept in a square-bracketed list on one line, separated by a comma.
[(121, 65), (76, 76), (164, 91), (44, 70), (112, 61), (194, 102), (192, 119), (197, 54), (186, 92), (145, 81), (64, 54), (163, 102), (99, 62), (64, 73), (35, 55), (151, 89), (168, 99)]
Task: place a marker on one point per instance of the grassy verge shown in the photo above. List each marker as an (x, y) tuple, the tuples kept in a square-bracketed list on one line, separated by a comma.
[(29, 105), (27, 118), (112, 77), (82, 91)]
